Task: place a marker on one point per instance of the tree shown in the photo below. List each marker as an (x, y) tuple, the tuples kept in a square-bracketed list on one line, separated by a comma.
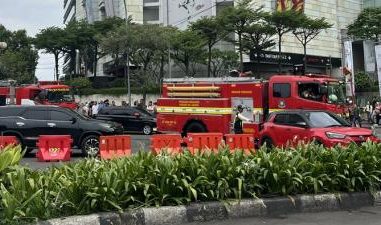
[(101, 28), (186, 50), (210, 29), (307, 30), (19, 60), (282, 22), (79, 37), (236, 19), (367, 25), (258, 37), (52, 40), (222, 62)]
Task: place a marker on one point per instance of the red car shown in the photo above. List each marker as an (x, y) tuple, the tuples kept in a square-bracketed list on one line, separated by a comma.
[(289, 127)]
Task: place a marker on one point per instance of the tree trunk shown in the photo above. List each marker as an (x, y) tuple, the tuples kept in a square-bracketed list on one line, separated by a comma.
[(161, 73), (95, 61), (209, 58), (279, 53), (240, 53), (305, 59), (56, 64)]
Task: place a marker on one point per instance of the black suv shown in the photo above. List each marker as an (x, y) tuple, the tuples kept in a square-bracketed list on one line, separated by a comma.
[(132, 118), (28, 122)]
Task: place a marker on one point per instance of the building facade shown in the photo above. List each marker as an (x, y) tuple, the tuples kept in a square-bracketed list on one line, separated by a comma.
[(324, 52)]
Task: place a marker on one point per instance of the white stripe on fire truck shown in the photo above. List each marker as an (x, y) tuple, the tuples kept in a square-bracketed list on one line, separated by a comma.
[(200, 110)]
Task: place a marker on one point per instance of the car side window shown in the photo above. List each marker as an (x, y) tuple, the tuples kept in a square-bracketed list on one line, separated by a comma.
[(281, 90), (280, 119), (294, 119), (60, 116), (35, 115)]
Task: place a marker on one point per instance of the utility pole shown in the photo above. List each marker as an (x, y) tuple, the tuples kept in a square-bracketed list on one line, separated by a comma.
[(127, 70), (169, 46)]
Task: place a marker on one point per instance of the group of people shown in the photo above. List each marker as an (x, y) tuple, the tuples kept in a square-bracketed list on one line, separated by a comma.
[(92, 108), (373, 111)]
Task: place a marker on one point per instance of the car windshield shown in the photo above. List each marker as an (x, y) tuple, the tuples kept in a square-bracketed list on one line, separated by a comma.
[(324, 119), (336, 93), (59, 95)]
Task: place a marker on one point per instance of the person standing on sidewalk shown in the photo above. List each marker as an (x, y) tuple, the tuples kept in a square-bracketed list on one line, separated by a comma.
[(369, 111), (238, 120)]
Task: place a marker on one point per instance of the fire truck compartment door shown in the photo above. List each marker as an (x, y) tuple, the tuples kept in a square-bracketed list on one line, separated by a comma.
[(248, 109)]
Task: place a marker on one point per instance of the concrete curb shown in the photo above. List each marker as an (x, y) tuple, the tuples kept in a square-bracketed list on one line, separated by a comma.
[(199, 212)]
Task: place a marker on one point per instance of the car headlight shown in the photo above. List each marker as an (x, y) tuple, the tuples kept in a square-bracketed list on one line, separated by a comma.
[(335, 135)]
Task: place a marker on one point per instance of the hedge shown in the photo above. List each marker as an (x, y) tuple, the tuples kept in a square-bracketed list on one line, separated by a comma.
[(143, 179)]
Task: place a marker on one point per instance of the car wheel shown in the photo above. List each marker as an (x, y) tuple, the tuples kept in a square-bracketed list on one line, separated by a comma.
[(267, 142), (147, 130), (90, 146)]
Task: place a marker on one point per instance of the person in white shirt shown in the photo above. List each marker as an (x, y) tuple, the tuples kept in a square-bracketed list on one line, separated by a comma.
[(94, 109), (238, 120)]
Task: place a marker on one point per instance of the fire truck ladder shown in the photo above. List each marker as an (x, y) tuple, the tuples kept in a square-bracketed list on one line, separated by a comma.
[(201, 87), (190, 80)]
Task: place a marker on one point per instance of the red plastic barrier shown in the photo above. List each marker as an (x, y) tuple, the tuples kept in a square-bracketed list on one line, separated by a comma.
[(54, 148), (204, 141), (243, 142), (114, 146), (7, 140), (167, 142)]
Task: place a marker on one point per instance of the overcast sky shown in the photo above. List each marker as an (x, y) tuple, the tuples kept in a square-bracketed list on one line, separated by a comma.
[(33, 15)]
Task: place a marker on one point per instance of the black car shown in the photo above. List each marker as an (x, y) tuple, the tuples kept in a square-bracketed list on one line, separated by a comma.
[(28, 122), (132, 118)]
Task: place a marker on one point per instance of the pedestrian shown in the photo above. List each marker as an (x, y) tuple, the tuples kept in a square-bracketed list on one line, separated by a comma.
[(238, 120), (124, 104), (141, 104), (376, 112), (369, 111), (113, 103), (106, 103), (135, 103), (94, 109), (355, 117), (150, 107)]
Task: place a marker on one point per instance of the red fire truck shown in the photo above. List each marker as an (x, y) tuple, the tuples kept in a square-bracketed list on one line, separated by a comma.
[(209, 104), (45, 92)]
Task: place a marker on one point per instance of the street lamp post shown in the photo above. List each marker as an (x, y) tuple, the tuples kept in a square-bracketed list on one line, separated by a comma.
[(127, 70), (3, 45)]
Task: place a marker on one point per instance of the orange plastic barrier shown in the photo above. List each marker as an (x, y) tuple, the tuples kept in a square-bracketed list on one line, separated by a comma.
[(54, 148), (243, 142), (114, 146), (7, 140), (204, 141), (167, 142)]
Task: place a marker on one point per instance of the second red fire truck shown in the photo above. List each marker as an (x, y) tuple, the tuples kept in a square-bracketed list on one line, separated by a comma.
[(209, 104), (45, 93)]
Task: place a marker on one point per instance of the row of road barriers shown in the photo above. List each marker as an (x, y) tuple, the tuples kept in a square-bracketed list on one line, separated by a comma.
[(58, 147)]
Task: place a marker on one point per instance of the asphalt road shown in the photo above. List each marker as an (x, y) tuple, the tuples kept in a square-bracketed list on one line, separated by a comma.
[(139, 142), (364, 216)]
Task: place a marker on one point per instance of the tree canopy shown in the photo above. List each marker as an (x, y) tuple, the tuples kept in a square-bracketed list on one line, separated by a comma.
[(367, 25), (19, 60)]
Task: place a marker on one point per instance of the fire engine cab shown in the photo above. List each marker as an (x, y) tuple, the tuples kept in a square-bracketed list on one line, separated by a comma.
[(209, 104), (45, 92)]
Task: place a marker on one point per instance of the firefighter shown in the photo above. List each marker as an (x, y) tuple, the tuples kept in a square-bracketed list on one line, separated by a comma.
[(238, 119)]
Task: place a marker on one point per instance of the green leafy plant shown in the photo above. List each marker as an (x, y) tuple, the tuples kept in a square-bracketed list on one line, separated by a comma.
[(144, 179)]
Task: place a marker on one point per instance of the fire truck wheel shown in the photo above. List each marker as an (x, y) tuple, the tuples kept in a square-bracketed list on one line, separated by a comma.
[(267, 142), (90, 146), (195, 127), (147, 130)]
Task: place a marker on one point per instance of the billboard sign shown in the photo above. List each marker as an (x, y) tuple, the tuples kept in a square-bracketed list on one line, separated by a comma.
[(377, 50), (285, 5), (348, 66)]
